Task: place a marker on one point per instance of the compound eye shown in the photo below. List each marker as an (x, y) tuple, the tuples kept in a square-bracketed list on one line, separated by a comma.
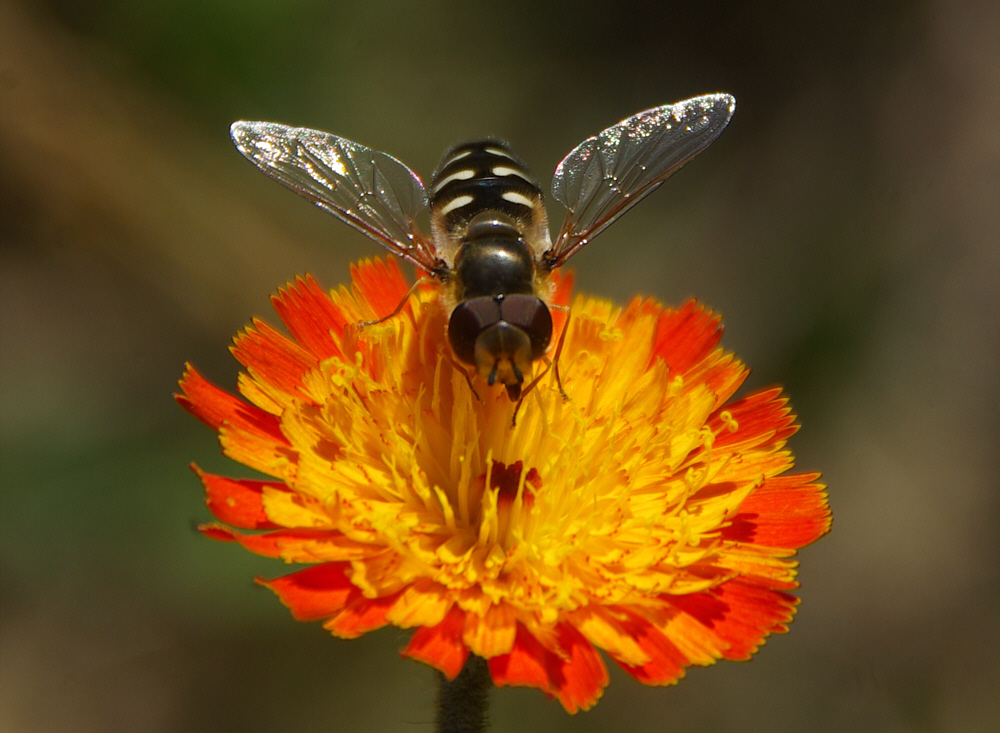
[(531, 315), (469, 319)]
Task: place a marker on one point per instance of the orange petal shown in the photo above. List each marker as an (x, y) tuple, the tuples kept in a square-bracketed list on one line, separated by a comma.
[(273, 358), (237, 502), (379, 283), (666, 662), (637, 308), (360, 616), (685, 337), (722, 373), (296, 545), (740, 613), (317, 592), (217, 532), (214, 407), (562, 289), (584, 676), (491, 634), (562, 286), (260, 452), (441, 646), (762, 418), (786, 511), (525, 666), (577, 680), (607, 628), (423, 603), (311, 317)]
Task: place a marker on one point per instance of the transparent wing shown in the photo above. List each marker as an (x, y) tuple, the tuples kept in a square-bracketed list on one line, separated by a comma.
[(371, 191), (606, 175)]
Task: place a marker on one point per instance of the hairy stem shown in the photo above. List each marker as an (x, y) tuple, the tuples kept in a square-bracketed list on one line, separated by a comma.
[(463, 701)]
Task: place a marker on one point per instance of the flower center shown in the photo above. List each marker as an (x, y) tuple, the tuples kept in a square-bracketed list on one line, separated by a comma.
[(513, 492), (507, 479)]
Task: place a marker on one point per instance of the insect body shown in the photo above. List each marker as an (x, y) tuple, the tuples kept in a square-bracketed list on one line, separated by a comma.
[(489, 245), (485, 200)]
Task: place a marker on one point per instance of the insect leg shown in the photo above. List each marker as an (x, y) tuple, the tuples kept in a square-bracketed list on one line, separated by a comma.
[(549, 363), (468, 379), (555, 359), (402, 304), (526, 390)]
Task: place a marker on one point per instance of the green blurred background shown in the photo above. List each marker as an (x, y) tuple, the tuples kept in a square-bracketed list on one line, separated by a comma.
[(845, 224)]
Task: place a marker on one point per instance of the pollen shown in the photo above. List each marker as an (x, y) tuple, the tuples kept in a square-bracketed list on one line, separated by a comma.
[(730, 422)]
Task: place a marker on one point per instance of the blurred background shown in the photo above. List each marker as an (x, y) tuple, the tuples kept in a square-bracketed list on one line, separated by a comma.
[(846, 225)]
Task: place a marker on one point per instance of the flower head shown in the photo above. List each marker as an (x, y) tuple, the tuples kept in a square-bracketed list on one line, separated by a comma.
[(644, 516)]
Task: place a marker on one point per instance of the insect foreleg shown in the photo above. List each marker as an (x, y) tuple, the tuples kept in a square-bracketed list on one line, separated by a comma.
[(399, 307)]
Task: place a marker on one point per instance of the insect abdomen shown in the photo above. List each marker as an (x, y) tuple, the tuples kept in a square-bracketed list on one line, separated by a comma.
[(484, 175)]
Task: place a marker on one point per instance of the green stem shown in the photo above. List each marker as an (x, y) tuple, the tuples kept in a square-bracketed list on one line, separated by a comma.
[(462, 702)]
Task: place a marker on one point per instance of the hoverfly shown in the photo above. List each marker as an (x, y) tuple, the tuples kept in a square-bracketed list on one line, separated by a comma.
[(489, 246)]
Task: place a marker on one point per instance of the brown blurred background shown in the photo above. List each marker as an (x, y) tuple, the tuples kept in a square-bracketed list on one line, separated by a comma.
[(845, 224)]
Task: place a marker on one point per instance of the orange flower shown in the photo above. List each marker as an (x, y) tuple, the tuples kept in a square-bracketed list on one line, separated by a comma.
[(644, 517)]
